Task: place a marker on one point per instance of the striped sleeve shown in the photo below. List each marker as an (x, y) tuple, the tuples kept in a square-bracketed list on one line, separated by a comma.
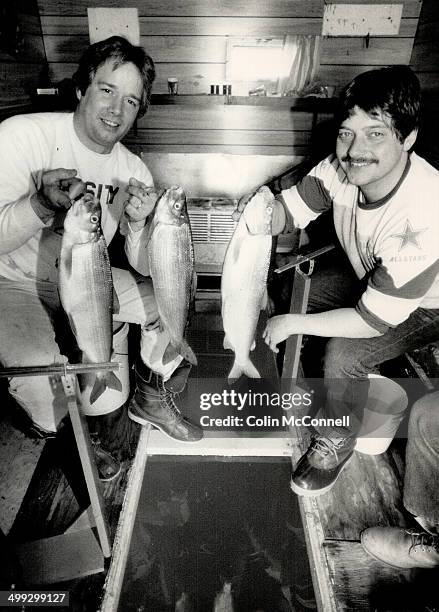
[(313, 194), (389, 306)]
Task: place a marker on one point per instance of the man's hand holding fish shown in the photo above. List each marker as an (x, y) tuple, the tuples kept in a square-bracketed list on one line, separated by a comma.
[(55, 192), (255, 214), (140, 203)]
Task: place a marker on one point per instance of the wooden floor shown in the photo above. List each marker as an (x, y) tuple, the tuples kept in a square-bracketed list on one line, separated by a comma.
[(47, 478), (368, 493), (18, 459), (50, 492), (43, 493)]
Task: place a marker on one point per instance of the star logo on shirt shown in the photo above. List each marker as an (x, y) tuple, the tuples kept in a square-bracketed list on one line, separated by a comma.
[(409, 236)]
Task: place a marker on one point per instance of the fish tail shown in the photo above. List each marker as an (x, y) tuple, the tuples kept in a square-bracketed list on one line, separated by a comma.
[(183, 349), (227, 344), (188, 353), (110, 380), (98, 388), (238, 369)]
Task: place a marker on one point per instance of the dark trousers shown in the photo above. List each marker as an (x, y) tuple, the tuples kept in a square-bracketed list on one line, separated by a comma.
[(421, 483), (348, 361)]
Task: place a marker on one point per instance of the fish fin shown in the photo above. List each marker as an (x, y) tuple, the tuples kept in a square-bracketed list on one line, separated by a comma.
[(170, 353), (112, 381), (186, 351), (234, 373), (238, 239), (98, 388), (150, 231), (182, 349), (116, 303), (227, 344), (248, 369), (253, 346)]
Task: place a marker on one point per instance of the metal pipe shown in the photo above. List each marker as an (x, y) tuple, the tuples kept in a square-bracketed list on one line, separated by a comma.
[(68, 368), (300, 259)]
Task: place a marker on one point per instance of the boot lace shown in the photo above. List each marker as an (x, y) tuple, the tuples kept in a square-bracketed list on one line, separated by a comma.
[(426, 542), (324, 446), (167, 397)]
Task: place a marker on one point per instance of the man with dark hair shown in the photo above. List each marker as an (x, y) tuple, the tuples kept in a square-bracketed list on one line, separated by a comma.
[(41, 156), (383, 299), (119, 51)]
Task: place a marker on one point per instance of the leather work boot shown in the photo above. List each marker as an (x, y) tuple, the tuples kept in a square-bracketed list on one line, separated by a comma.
[(154, 402), (401, 548), (108, 467), (319, 468)]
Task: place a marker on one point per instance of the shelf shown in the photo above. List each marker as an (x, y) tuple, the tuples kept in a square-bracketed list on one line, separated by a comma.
[(311, 104)]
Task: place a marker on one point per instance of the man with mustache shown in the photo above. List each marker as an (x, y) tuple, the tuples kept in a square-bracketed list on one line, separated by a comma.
[(383, 299)]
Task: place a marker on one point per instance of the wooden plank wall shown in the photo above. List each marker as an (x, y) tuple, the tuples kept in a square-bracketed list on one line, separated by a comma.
[(188, 39), (425, 56), (20, 73), (223, 128), (425, 62)]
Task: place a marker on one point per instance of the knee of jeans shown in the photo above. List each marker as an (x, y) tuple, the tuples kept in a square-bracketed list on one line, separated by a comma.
[(420, 420), (342, 359)]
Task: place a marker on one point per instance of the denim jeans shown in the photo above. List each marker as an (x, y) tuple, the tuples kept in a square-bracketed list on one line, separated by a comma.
[(348, 361), (421, 482), (31, 333)]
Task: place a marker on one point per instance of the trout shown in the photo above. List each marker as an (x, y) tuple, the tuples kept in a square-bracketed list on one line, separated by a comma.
[(171, 264), (244, 283), (86, 288)]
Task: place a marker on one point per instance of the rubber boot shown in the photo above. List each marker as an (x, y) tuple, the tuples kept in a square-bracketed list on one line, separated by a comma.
[(154, 402)]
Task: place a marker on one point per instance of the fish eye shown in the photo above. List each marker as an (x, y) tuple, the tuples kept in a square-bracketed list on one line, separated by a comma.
[(177, 205)]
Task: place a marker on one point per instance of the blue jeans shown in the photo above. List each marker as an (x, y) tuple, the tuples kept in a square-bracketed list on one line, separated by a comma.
[(421, 482), (348, 361)]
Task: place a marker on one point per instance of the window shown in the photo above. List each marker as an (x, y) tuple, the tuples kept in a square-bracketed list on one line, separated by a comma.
[(253, 62), (277, 66)]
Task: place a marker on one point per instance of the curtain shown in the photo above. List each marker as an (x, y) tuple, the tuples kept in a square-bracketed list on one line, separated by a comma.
[(301, 56)]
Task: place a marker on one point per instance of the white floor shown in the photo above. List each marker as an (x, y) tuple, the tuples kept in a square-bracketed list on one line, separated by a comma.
[(266, 445)]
